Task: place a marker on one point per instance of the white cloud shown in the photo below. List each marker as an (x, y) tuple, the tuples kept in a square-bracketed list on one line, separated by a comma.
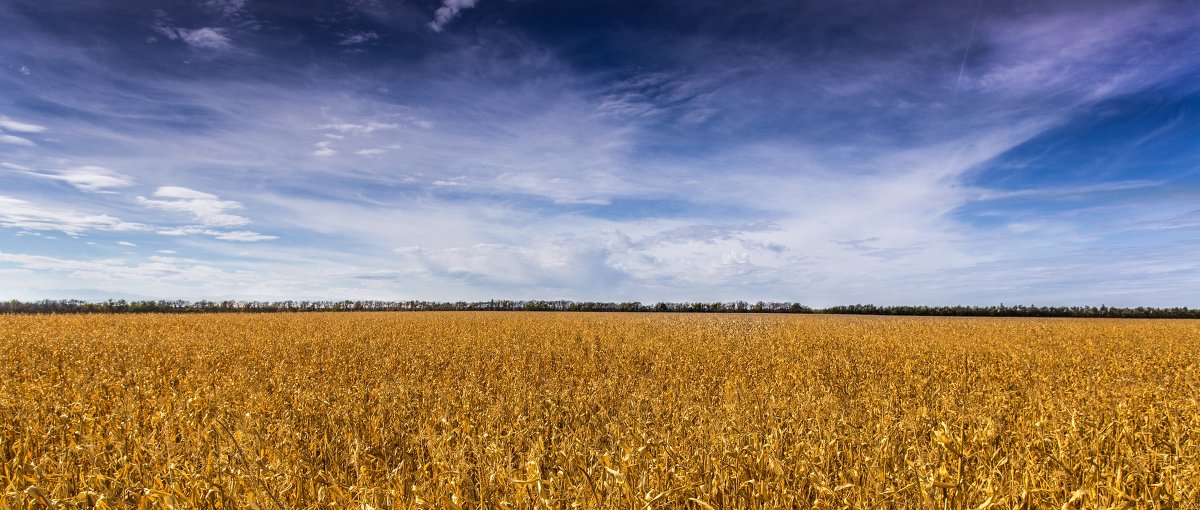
[(206, 208), (190, 230), (94, 179), (244, 236), (17, 213), (447, 12), (324, 152), (1075, 51), (358, 38), (370, 152), (167, 252), (8, 124), (16, 140), (553, 263), (224, 235), (659, 95), (115, 270), (359, 129), (208, 38)]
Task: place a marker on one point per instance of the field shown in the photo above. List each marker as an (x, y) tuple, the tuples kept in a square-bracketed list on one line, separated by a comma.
[(531, 410)]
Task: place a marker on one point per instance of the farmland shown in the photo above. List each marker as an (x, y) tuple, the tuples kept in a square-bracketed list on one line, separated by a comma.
[(534, 410)]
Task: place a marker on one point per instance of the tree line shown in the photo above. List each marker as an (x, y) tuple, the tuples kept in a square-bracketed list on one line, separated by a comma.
[(232, 306)]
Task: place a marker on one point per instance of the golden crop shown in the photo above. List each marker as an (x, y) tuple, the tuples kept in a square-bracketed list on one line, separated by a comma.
[(528, 410)]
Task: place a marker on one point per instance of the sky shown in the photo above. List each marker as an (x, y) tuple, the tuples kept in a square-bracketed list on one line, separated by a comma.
[(887, 152)]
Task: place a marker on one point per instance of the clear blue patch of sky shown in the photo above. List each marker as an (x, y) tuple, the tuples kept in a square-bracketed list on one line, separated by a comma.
[(1131, 153), (1151, 135)]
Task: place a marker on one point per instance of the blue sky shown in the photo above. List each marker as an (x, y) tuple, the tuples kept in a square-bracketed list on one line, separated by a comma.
[(924, 152)]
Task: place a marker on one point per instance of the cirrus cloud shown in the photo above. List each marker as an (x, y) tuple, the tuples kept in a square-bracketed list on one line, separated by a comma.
[(206, 208)]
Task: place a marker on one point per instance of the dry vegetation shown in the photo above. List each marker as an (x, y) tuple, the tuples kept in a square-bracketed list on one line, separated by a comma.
[(495, 410)]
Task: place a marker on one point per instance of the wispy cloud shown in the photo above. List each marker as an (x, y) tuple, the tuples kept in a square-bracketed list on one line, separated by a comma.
[(1061, 50), (559, 264), (92, 179), (358, 38), (244, 236), (656, 96), (447, 12), (324, 149), (17, 213), (204, 38), (8, 124), (1188, 220), (16, 140), (206, 208), (1067, 192), (116, 270), (364, 128), (226, 8), (224, 235)]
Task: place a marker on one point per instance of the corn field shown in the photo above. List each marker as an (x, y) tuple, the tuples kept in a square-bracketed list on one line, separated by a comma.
[(561, 410)]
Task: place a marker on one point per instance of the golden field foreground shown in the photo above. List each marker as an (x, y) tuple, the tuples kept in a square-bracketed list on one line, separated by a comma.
[(532, 410)]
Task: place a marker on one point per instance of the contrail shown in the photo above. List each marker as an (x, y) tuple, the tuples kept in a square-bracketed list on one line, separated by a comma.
[(970, 40)]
